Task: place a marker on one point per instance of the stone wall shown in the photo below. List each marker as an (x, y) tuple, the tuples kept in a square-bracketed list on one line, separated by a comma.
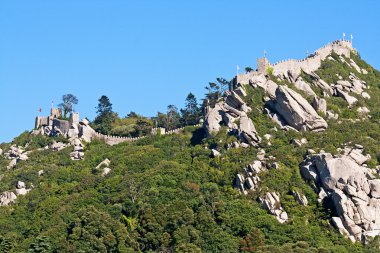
[(312, 62), (294, 67)]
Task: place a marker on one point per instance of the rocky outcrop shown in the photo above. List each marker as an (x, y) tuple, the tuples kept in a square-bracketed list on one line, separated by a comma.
[(304, 86), (295, 111), (249, 180), (320, 105), (57, 146), (15, 154), (21, 188), (352, 188), (7, 198), (78, 153), (105, 166), (271, 202), (301, 199), (229, 112)]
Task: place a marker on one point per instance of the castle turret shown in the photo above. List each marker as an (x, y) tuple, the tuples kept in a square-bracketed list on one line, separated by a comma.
[(74, 118), (262, 65)]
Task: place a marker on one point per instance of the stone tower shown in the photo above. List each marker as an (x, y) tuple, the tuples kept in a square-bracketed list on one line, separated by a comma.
[(74, 118), (262, 65)]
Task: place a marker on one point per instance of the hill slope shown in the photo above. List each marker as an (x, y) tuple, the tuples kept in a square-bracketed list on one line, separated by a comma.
[(170, 194)]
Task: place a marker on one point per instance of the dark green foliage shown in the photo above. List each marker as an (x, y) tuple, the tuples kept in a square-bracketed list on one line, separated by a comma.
[(191, 114), (106, 117), (165, 193), (40, 245)]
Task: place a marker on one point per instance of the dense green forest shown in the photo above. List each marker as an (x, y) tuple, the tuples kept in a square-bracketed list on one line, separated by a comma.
[(167, 194)]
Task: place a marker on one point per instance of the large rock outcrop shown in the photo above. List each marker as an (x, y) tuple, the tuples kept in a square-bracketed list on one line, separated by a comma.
[(351, 187), (296, 111), (229, 112), (271, 202)]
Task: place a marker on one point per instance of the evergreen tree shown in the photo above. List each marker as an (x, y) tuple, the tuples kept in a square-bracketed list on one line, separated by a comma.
[(40, 245), (191, 113), (173, 117), (215, 91), (103, 122)]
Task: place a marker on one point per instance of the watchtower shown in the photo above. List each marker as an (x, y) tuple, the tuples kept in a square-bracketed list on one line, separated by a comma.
[(262, 64)]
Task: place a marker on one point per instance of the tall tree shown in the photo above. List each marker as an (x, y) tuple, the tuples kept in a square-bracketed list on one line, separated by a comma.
[(173, 117), (68, 102), (104, 105), (105, 118), (215, 91), (191, 113)]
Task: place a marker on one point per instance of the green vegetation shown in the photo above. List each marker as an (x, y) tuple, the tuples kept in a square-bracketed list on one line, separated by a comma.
[(166, 194)]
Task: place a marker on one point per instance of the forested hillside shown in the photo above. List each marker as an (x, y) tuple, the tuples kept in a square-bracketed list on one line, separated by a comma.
[(174, 193)]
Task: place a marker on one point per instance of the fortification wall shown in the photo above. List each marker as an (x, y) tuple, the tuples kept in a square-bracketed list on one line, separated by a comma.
[(113, 140), (312, 62)]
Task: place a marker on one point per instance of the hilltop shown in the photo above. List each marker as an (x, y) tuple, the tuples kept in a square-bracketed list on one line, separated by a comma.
[(285, 160)]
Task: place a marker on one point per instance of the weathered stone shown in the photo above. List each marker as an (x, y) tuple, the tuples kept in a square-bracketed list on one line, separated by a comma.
[(296, 111), (375, 188), (332, 115), (301, 199), (271, 202), (353, 190), (363, 110), (106, 171), (350, 99), (213, 119), (304, 86), (248, 131), (104, 163), (215, 153), (320, 105), (7, 198), (365, 95)]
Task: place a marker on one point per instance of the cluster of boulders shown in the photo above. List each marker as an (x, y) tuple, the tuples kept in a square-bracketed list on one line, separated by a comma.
[(105, 166), (249, 179), (271, 202), (352, 188), (232, 112), (15, 154), (78, 153), (8, 197), (58, 146)]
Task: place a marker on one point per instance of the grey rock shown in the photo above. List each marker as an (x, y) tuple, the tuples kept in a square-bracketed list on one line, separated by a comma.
[(106, 171), (105, 163), (301, 199), (353, 190), (320, 105), (7, 198), (365, 95), (271, 202), (296, 111), (215, 153), (350, 99), (304, 86)]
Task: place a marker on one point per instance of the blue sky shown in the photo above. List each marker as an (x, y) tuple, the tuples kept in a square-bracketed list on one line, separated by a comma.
[(145, 55)]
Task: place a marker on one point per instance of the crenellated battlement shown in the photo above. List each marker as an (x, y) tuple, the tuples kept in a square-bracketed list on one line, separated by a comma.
[(293, 67), (113, 140)]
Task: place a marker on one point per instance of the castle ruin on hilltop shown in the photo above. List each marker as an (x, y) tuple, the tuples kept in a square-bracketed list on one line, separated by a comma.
[(290, 69)]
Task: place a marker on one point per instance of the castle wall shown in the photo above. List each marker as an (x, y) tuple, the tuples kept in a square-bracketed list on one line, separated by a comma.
[(62, 125), (41, 121), (313, 62)]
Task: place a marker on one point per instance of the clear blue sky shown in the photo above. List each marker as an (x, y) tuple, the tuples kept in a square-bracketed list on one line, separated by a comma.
[(145, 55)]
